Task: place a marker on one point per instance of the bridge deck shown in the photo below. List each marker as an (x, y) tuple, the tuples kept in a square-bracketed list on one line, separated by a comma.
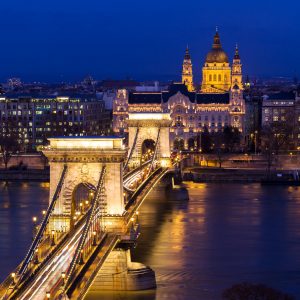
[(88, 274)]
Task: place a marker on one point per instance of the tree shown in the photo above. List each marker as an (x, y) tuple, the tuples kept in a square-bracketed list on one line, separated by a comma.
[(276, 137), (8, 145), (231, 138), (9, 140), (206, 141), (247, 291)]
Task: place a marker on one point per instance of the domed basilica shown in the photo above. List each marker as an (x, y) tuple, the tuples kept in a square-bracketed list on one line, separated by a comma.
[(216, 104)]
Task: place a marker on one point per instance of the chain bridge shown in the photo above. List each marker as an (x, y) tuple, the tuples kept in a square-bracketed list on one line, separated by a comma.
[(96, 188)]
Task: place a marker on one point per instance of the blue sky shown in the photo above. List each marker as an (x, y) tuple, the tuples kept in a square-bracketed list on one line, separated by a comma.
[(62, 40)]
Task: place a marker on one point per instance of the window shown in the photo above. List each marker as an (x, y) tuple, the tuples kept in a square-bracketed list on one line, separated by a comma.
[(215, 77), (220, 77), (210, 77), (275, 118)]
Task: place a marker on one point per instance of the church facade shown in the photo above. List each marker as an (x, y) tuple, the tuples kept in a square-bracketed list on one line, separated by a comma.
[(216, 104)]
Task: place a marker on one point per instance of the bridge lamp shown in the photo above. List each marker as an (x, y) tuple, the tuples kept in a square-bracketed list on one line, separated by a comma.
[(53, 238), (34, 219), (48, 295), (94, 239), (63, 276), (137, 216), (13, 276), (86, 202), (43, 212)]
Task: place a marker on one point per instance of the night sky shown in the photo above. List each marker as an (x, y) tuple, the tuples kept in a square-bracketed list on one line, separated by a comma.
[(62, 40)]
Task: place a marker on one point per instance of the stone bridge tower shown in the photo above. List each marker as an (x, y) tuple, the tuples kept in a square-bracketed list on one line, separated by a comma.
[(84, 158)]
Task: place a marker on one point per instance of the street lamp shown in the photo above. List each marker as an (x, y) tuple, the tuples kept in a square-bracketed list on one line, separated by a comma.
[(48, 295), (63, 276), (13, 276), (36, 258), (255, 141), (53, 238), (81, 262), (94, 238), (34, 220)]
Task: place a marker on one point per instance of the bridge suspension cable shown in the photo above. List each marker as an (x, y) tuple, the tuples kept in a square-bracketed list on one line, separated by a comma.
[(42, 228), (155, 151), (132, 149), (91, 215)]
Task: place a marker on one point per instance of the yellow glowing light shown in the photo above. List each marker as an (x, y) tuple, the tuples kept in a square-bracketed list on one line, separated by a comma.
[(34, 219)]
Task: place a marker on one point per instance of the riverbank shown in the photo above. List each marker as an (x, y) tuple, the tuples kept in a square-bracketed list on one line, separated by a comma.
[(25, 175), (200, 174)]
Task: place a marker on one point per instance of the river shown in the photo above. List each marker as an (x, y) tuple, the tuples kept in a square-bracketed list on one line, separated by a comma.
[(199, 240)]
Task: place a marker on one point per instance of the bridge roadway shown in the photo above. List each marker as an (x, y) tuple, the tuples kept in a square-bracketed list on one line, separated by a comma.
[(48, 278)]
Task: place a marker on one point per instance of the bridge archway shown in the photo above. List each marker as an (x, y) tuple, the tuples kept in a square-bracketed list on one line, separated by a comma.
[(149, 126), (81, 201), (148, 148), (84, 159)]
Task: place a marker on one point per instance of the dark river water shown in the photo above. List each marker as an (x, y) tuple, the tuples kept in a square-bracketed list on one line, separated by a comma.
[(199, 240)]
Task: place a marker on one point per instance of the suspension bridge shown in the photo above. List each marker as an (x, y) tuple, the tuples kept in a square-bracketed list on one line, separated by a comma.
[(96, 188)]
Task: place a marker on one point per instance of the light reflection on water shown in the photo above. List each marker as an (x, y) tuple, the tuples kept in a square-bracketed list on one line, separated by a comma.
[(199, 240)]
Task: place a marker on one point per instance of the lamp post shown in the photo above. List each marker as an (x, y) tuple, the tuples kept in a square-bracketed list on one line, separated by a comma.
[(36, 256), (48, 295), (81, 261), (63, 276), (53, 238), (94, 238), (13, 276), (255, 141), (34, 220)]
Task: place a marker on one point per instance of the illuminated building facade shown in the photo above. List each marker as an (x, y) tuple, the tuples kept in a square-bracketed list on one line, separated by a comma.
[(31, 120), (283, 107), (187, 71), (218, 103)]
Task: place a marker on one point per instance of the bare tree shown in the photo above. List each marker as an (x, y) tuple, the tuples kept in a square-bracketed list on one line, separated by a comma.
[(276, 137), (8, 145)]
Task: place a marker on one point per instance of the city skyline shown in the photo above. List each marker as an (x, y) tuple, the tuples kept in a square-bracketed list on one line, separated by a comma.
[(144, 41)]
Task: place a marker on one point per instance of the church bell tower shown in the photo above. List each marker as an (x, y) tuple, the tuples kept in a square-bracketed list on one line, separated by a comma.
[(236, 70), (187, 71)]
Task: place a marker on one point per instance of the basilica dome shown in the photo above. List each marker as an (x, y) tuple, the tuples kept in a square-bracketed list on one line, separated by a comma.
[(216, 54)]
